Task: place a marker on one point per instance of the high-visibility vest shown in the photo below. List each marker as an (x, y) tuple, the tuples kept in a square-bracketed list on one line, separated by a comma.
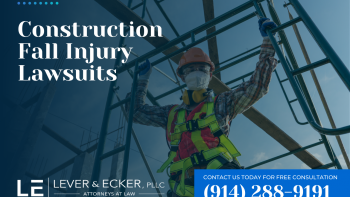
[(224, 152)]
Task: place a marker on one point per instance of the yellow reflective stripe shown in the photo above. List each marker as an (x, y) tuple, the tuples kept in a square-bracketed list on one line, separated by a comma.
[(210, 108), (214, 127), (182, 128), (225, 142), (167, 162), (181, 116), (198, 140), (206, 121), (171, 118), (203, 109), (186, 165), (175, 142), (214, 164), (214, 152), (175, 136), (180, 119), (177, 166)]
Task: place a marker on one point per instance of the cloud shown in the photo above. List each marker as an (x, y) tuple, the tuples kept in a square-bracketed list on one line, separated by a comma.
[(327, 78), (318, 156), (259, 157), (304, 166), (275, 165)]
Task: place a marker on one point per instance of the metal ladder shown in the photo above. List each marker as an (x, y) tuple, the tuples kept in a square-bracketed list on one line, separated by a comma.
[(331, 57)]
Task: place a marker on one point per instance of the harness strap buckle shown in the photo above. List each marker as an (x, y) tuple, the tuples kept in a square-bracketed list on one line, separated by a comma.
[(218, 133), (192, 125), (226, 156), (197, 158), (174, 148)]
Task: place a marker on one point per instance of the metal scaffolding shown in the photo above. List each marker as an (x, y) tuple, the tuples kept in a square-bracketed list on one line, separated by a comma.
[(88, 167), (172, 52)]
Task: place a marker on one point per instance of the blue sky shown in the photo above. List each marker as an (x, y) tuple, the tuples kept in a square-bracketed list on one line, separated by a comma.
[(83, 102)]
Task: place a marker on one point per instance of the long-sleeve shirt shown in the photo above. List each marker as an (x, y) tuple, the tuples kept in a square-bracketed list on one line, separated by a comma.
[(227, 105)]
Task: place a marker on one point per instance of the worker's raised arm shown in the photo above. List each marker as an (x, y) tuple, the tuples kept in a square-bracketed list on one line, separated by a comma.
[(145, 114), (234, 102)]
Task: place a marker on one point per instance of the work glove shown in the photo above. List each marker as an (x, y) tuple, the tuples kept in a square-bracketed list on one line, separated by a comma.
[(146, 70), (265, 23)]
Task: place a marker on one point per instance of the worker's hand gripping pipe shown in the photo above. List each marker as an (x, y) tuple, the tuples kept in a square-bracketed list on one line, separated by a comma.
[(303, 104)]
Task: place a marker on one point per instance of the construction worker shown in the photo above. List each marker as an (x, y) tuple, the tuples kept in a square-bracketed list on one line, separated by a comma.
[(197, 130)]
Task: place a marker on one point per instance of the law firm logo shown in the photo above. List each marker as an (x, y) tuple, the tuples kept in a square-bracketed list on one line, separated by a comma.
[(33, 189)]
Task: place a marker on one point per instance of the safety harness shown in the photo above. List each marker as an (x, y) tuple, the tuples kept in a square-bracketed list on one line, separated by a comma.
[(217, 157)]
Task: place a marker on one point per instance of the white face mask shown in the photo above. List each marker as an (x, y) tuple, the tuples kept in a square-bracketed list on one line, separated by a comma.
[(197, 80)]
